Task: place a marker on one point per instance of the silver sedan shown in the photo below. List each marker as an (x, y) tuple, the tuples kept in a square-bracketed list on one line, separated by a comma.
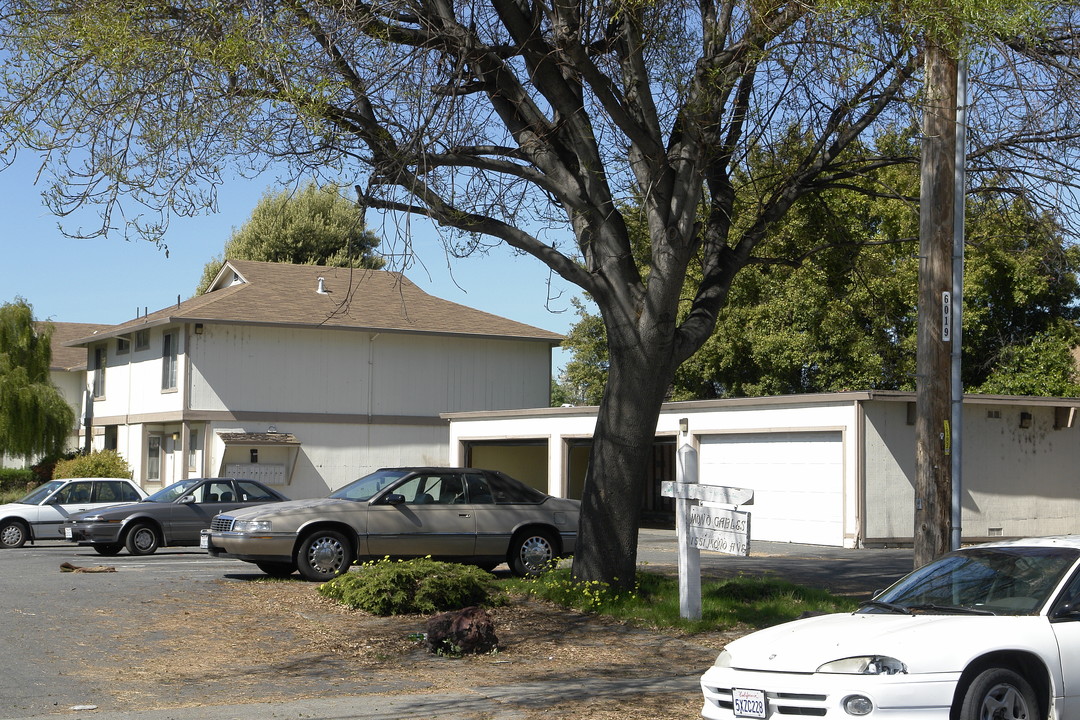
[(482, 517)]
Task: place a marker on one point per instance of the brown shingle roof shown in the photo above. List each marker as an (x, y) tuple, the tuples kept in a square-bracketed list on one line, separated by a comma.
[(281, 294), (71, 358)]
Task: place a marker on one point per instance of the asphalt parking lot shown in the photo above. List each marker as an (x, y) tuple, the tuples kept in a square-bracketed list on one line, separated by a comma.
[(49, 617)]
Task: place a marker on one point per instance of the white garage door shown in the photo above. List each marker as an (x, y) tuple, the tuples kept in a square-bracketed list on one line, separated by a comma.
[(797, 478)]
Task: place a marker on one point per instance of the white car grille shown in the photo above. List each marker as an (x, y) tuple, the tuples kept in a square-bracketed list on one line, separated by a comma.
[(779, 704)]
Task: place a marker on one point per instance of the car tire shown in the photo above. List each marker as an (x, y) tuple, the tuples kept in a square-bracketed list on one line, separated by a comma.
[(323, 555), (277, 569), (142, 539), (14, 534), (109, 550), (531, 553), (999, 689)]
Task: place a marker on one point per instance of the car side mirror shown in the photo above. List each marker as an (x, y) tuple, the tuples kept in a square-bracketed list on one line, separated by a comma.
[(395, 499), (187, 500)]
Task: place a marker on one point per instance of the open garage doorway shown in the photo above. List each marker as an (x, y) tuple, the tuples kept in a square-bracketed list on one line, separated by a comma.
[(527, 460)]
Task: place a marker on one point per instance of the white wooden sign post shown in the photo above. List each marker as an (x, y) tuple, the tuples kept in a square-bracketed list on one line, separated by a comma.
[(699, 527)]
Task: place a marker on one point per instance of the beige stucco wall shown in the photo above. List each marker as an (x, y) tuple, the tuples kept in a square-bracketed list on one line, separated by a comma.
[(1015, 481)]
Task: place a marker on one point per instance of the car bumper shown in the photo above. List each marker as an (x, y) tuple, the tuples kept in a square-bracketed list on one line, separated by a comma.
[(264, 547), (93, 534), (911, 697)]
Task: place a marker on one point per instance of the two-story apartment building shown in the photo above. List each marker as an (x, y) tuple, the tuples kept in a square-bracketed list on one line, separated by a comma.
[(303, 376)]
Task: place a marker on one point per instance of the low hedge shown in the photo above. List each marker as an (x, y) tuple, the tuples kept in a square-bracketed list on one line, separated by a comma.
[(411, 587), (16, 480)]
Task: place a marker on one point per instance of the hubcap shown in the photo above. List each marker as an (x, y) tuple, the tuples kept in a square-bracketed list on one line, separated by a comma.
[(536, 553), (144, 539), (326, 555), (12, 535), (1004, 702)]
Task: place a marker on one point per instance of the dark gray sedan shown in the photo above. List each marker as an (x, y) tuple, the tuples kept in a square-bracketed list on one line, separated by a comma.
[(172, 517)]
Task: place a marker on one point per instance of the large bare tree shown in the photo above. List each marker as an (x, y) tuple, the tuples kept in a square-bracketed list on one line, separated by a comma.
[(527, 122)]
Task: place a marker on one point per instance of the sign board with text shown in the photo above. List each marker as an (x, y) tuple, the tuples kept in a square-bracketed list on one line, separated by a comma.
[(707, 493), (719, 530), (722, 530)]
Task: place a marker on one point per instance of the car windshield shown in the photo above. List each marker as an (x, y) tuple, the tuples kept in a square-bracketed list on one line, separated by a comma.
[(172, 492), (40, 493), (998, 580), (369, 486)]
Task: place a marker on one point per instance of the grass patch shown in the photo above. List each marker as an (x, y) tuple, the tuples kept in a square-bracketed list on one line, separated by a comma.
[(754, 601), (10, 496)]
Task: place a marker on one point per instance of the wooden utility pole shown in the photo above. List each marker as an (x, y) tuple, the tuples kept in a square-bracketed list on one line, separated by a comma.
[(933, 436)]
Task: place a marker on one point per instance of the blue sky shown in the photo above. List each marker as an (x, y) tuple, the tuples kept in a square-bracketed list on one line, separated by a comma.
[(109, 280)]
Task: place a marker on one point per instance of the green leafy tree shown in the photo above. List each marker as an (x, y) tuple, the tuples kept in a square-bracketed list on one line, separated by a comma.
[(844, 318), (35, 419), (313, 226), (531, 124)]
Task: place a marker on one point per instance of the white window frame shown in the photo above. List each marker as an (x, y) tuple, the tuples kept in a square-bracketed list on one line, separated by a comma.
[(193, 447), (101, 359), (153, 457), (169, 362)]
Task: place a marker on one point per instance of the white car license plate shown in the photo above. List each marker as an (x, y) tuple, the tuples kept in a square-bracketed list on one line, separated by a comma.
[(67, 533), (204, 541), (748, 703)]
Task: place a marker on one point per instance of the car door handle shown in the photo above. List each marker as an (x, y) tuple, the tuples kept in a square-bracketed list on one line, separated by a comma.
[(464, 514)]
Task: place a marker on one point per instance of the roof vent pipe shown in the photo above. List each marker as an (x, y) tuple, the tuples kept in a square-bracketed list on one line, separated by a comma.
[(322, 287)]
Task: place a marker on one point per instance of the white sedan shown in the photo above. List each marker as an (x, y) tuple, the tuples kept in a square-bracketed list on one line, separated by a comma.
[(986, 632), (41, 514)]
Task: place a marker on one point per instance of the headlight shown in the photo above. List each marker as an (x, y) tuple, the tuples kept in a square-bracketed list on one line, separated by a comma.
[(251, 526), (723, 660), (97, 519), (865, 665)]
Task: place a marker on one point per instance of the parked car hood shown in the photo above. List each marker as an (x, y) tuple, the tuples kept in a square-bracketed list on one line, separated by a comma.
[(117, 510), (294, 507), (925, 643)]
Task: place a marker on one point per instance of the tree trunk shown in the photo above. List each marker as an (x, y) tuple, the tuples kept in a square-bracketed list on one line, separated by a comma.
[(620, 465), (933, 471)]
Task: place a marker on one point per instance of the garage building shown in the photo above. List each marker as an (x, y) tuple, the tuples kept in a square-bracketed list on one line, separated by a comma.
[(831, 469)]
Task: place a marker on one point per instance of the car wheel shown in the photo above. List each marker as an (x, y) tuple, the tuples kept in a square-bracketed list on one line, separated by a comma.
[(14, 534), (999, 694), (531, 553), (324, 555), (142, 540), (109, 549), (277, 569)]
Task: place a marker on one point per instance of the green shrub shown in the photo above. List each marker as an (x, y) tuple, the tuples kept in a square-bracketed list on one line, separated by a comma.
[(402, 587), (14, 479), (14, 484), (100, 463)]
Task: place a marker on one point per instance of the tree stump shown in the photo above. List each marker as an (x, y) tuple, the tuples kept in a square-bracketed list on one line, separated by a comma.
[(470, 630)]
